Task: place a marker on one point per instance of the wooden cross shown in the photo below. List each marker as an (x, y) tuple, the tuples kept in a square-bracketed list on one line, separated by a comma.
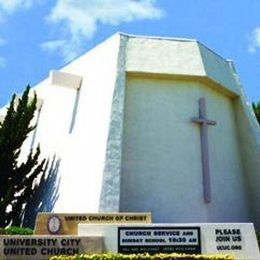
[(203, 123)]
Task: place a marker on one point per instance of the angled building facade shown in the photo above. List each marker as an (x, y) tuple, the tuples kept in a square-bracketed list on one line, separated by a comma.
[(150, 124)]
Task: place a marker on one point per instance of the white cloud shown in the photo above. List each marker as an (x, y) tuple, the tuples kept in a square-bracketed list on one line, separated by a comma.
[(63, 47), (255, 41), (2, 62), (80, 19), (11, 6), (8, 7), (52, 45)]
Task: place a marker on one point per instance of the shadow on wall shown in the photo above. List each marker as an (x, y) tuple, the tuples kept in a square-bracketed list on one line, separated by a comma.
[(46, 195)]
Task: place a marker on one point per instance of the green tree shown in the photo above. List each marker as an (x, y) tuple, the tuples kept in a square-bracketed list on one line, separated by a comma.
[(256, 108), (18, 181)]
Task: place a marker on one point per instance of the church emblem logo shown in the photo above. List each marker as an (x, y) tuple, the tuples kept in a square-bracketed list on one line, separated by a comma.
[(54, 225)]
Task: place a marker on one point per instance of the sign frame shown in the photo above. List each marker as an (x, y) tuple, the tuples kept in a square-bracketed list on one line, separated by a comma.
[(153, 249), (68, 222)]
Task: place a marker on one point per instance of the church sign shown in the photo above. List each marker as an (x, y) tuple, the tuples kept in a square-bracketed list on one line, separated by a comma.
[(43, 247), (159, 240), (67, 224), (237, 239)]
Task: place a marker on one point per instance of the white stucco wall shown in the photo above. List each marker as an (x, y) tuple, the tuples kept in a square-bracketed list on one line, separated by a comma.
[(163, 56), (249, 136), (74, 127), (161, 163), (110, 194), (179, 57), (218, 69)]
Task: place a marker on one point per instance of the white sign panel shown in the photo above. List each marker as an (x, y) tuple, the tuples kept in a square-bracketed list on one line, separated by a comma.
[(159, 240)]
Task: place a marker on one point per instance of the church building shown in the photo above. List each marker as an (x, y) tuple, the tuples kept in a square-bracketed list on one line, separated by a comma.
[(149, 124)]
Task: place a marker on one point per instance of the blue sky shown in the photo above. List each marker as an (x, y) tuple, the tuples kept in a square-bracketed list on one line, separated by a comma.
[(39, 35)]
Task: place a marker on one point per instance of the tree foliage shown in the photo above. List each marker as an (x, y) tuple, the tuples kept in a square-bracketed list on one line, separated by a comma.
[(256, 109), (18, 181)]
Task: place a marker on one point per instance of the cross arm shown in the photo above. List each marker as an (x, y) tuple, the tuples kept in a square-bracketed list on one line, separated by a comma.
[(203, 121)]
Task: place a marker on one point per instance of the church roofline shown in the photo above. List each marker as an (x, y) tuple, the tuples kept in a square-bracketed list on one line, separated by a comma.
[(157, 37), (215, 53), (172, 39), (120, 36)]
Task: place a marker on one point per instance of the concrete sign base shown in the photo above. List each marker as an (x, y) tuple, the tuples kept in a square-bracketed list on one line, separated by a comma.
[(237, 239)]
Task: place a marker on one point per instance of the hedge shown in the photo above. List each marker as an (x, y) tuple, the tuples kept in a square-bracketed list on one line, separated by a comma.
[(16, 231), (113, 256)]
